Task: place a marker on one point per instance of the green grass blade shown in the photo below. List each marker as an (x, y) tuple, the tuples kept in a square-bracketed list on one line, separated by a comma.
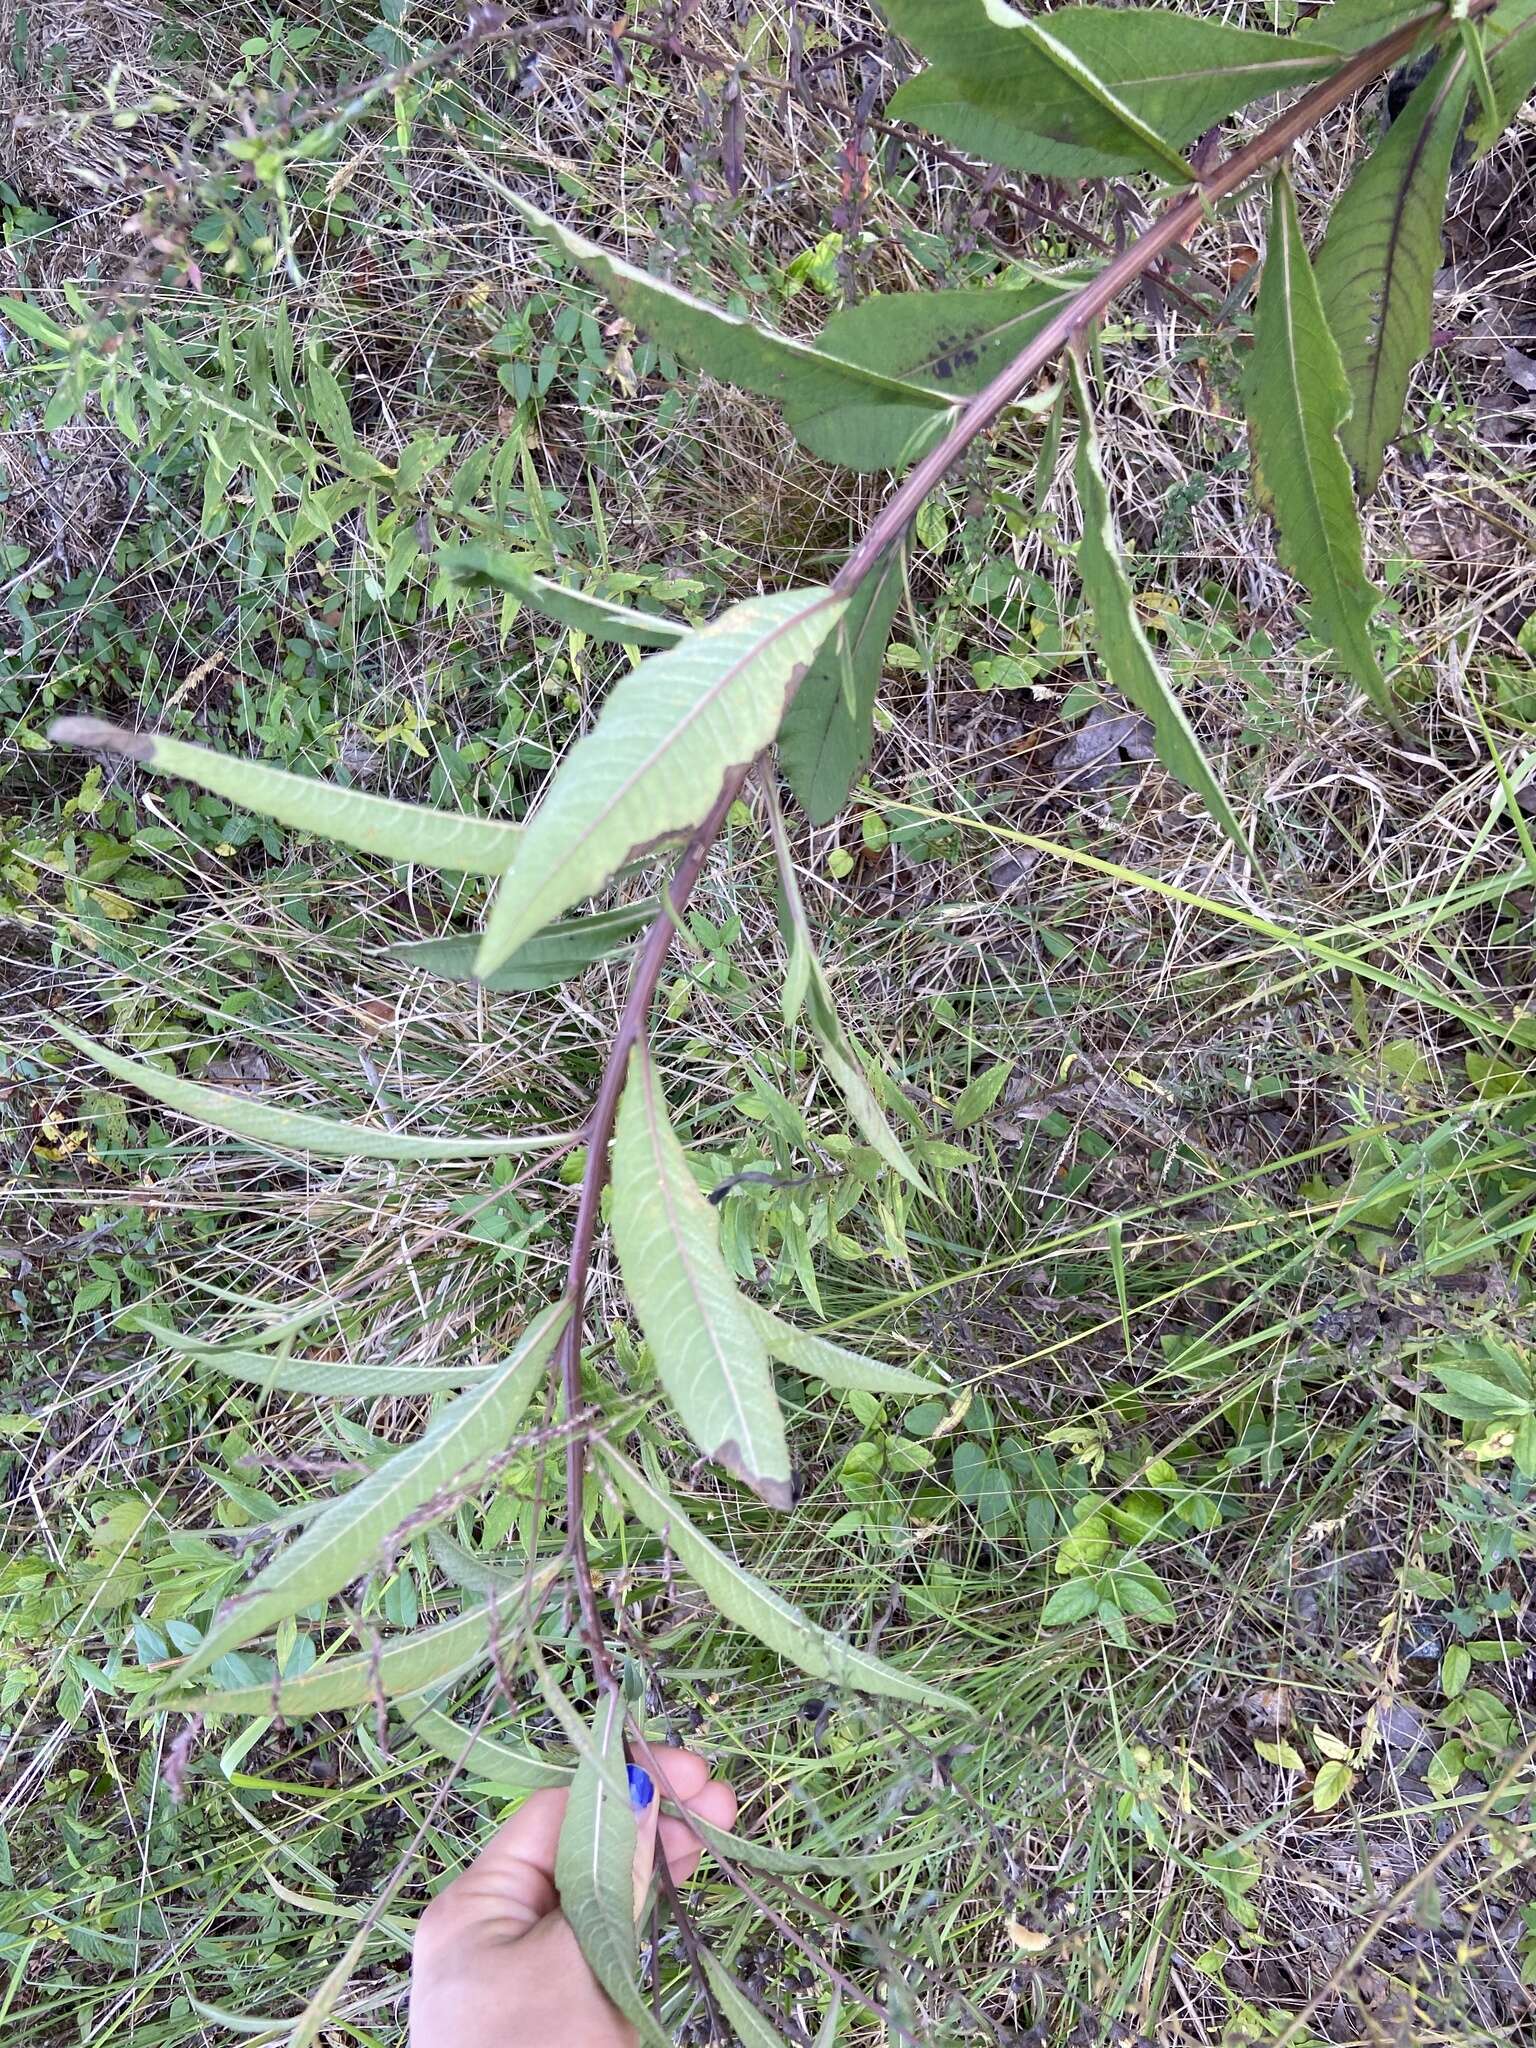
[(669, 734), (1297, 397), (350, 817), (709, 1352), (289, 1130), (1127, 653)]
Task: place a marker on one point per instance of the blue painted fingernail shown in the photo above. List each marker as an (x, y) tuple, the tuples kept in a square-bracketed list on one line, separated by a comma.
[(641, 1790)]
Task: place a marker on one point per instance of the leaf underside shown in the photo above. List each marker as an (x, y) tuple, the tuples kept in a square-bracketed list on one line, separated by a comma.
[(351, 817), (1296, 397), (650, 770), (709, 1353), (292, 1130)]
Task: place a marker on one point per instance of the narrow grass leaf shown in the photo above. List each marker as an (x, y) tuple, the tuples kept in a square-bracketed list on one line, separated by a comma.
[(1127, 653), (558, 953), (1376, 268), (350, 817), (595, 1869), (492, 1762), (478, 565), (1297, 396), (838, 410), (407, 1492), (818, 1358), (651, 768), (1086, 92), (752, 2029), (828, 732), (289, 1130), (752, 1604), (708, 1350)]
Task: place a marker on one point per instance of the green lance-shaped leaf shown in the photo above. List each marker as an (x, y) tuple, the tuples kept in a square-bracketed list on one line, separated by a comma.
[(709, 1353), (820, 1359), (496, 1763), (752, 1604), (1086, 92), (1123, 645), (1376, 268), (828, 733), (558, 953), (373, 824), (1349, 25), (845, 1063), (669, 734), (1509, 45), (398, 1668), (289, 1130), (595, 1868), (323, 1377), (757, 1854), (1296, 396), (598, 617), (957, 339), (408, 1491), (838, 410), (752, 2029)]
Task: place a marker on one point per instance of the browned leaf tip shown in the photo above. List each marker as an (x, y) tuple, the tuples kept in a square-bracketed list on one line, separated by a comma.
[(774, 1493), (106, 737)]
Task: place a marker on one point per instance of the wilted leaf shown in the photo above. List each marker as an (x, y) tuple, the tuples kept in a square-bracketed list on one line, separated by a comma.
[(669, 734), (1127, 653), (350, 817), (289, 1129), (843, 413), (409, 1490), (709, 1352), (827, 733), (493, 1762), (1086, 92), (820, 1359), (476, 564), (562, 950), (595, 1864), (1376, 268), (752, 1604), (1297, 396)]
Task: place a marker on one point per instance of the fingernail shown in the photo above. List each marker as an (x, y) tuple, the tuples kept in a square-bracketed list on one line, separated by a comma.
[(641, 1790)]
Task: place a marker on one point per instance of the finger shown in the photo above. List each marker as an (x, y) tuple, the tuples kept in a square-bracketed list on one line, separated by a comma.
[(514, 1875), (647, 1811), (714, 1802)]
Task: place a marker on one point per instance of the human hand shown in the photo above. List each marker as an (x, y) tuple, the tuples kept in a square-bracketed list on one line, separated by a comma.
[(495, 1964)]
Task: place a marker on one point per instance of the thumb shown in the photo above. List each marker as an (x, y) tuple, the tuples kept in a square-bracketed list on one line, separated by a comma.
[(642, 1797)]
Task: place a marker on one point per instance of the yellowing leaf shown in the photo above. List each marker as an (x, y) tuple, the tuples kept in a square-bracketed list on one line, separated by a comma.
[(1332, 1783)]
